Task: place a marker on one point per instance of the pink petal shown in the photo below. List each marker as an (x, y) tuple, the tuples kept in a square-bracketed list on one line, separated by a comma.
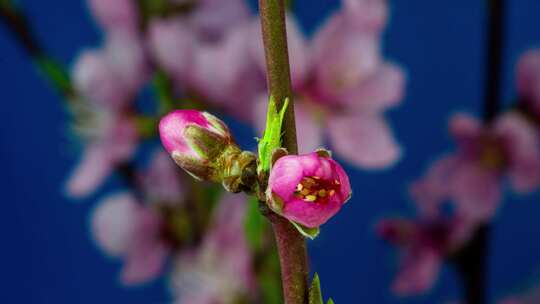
[(93, 168), (418, 273), (162, 181), (464, 128), (126, 55), (115, 15), (213, 18), (522, 144), (96, 80), (476, 192), (364, 140), (433, 189), (383, 90), (367, 15), (172, 44), (113, 223), (144, 265), (147, 253)]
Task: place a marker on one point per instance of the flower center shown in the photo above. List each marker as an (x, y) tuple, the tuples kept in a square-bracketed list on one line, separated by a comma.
[(316, 190), (492, 155)]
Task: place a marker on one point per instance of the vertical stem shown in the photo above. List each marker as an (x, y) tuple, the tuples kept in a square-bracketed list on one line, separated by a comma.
[(291, 245), (494, 49), (471, 260)]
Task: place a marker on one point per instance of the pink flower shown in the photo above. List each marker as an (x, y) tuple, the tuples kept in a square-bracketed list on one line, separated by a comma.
[(110, 77), (307, 189), (110, 140), (213, 18), (125, 229), (528, 80), (221, 269), (472, 176), (173, 44), (115, 15), (173, 130), (424, 246), (343, 86), (162, 182)]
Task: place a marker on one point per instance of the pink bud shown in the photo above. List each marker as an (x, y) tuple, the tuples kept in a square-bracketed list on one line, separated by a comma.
[(173, 130), (308, 189)]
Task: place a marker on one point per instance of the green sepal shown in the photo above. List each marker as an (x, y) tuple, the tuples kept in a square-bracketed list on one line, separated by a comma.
[(271, 139), (310, 233), (315, 294)]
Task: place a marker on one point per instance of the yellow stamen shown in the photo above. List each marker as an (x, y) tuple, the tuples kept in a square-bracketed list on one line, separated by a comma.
[(311, 198)]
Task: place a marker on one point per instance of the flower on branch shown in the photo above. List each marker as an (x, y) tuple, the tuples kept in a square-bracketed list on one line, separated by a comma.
[(307, 189)]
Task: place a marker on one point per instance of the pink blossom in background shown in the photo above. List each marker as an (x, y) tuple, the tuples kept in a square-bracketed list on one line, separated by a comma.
[(220, 270), (342, 87), (125, 229), (423, 247), (473, 176), (116, 15), (528, 80), (162, 181), (109, 141), (307, 189)]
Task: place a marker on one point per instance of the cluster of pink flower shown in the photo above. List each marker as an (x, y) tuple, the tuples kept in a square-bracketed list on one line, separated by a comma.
[(212, 50), (487, 158)]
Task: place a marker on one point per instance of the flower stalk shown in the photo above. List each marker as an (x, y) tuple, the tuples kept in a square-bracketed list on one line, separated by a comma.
[(291, 244)]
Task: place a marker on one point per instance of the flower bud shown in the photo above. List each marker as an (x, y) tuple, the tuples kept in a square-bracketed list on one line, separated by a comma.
[(307, 189), (202, 145)]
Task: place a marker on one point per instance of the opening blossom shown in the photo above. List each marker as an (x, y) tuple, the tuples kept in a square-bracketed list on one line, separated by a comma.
[(307, 189)]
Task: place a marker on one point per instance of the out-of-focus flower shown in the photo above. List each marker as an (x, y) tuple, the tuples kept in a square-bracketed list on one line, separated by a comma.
[(307, 189), (202, 145), (342, 86), (472, 176), (109, 140), (117, 15), (162, 182), (125, 229), (528, 80), (220, 270), (173, 44), (367, 15), (424, 245)]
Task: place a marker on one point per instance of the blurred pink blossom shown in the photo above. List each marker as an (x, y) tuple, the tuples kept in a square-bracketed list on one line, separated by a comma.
[(424, 245), (342, 87), (472, 177), (125, 229), (162, 181), (115, 15), (110, 140), (220, 270), (307, 189)]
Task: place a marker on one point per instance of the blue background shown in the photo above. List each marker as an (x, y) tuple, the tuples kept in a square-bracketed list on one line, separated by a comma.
[(47, 255)]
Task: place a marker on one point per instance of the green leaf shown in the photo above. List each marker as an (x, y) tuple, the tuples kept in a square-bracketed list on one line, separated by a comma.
[(330, 301), (272, 134), (310, 233), (315, 295), (57, 74), (254, 224)]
